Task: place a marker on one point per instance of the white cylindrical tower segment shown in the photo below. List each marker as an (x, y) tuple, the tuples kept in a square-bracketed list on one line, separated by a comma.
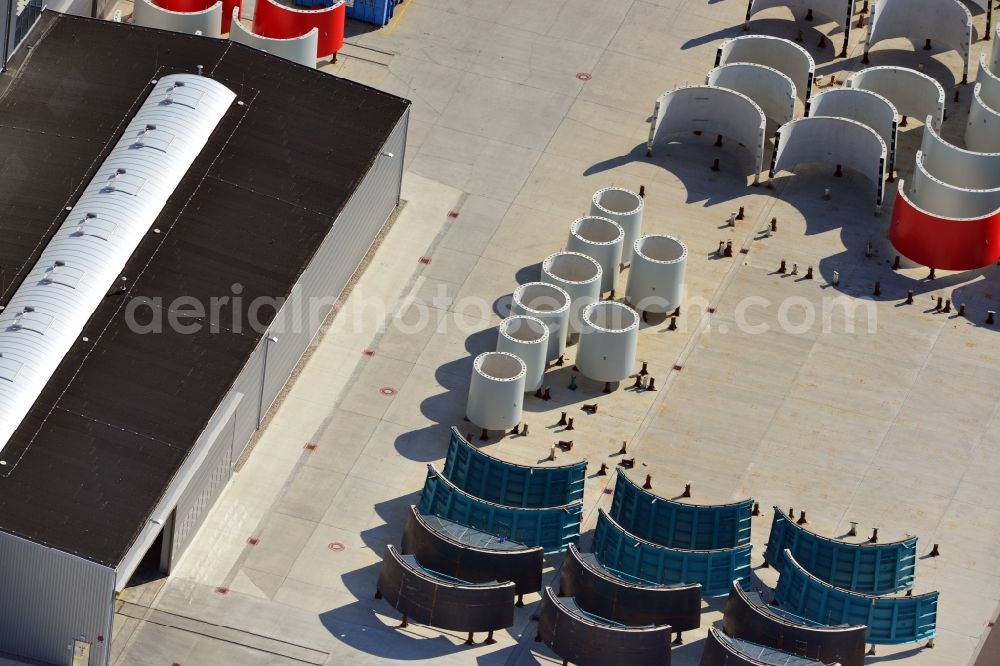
[(602, 239), (528, 339), (624, 207), (608, 342), (580, 276), (496, 392), (549, 303), (656, 278)]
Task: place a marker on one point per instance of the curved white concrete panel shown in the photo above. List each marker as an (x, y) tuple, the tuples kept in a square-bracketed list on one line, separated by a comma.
[(773, 91), (297, 49), (207, 22), (995, 52), (713, 110), (982, 133), (840, 11), (945, 200), (832, 141), (957, 166), (944, 21), (990, 81), (913, 93), (781, 54), (867, 107), (496, 391)]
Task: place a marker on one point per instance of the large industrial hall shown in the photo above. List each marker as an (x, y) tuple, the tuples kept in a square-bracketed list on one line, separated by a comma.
[(651, 332)]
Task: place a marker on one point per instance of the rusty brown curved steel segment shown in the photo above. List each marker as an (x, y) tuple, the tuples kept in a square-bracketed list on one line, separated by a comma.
[(426, 597), (747, 617), (600, 592), (582, 638), (721, 650), (468, 554)]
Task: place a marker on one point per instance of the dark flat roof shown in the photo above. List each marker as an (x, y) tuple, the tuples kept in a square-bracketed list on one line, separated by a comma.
[(100, 446)]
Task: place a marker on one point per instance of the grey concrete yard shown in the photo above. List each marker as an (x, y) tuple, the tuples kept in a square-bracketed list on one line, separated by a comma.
[(894, 426)]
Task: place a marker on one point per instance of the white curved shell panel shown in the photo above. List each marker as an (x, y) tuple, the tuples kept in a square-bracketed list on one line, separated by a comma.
[(866, 107), (913, 93), (711, 110), (982, 133), (832, 141), (207, 22), (297, 49), (496, 391), (942, 199), (957, 166), (781, 54), (608, 343), (990, 82), (87, 254), (773, 91), (995, 52), (839, 11), (945, 21)]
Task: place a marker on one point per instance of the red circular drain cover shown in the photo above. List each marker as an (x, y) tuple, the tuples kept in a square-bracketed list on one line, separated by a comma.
[(584, 76), (336, 546), (387, 390)]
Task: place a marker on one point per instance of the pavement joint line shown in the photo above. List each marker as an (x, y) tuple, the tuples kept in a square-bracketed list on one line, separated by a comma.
[(149, 613)]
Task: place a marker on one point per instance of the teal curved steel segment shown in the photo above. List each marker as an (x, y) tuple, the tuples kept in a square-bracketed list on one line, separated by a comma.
[(636, 559), (552, 528), (867, 568), (890, 620), (510, 484), (679, 525)]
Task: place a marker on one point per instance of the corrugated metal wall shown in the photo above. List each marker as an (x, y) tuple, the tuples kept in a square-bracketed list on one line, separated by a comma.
[(54, 599), (335, 262), (201, 493)]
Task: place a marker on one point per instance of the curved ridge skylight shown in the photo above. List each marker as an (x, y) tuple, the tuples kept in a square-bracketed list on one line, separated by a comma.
[(86, 256)]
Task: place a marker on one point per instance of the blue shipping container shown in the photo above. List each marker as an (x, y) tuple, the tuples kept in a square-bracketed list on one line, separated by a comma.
[(376, 12)]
